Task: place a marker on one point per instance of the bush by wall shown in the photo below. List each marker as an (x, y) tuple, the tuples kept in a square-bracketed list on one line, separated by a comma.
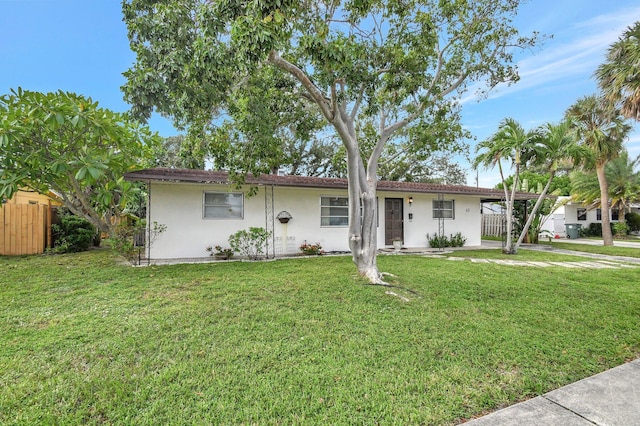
[(633, 220), (437, 241)]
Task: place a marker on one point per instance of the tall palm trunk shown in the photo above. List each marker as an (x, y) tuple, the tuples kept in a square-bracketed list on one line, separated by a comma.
[(607, 237)]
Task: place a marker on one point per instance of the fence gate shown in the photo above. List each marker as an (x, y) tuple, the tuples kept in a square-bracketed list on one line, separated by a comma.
[(24, 229), (493, 225)]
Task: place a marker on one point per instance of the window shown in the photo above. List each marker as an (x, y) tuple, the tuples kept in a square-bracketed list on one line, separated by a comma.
[(334, 211), (444, 209), (615, 214), (223, 205), (598, 214), (582, 214)]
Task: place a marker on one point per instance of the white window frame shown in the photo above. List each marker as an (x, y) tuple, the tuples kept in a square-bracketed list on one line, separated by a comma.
[(323, 206), (440, 212), (228, 204)]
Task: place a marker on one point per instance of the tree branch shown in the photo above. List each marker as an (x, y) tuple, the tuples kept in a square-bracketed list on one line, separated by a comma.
[(356, 106), (316, 95)]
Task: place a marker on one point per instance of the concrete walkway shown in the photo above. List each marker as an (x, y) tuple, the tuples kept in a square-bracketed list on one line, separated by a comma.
[(609, 398)]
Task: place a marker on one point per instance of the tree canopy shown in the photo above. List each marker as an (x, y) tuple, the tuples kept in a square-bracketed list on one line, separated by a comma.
[(618, 75), (66, 143), (373, 70)]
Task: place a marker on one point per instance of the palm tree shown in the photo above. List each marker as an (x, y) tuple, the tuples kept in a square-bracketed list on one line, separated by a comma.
[(552, 147), (602, 130), (511, 142), (618, 77), (623, 181)]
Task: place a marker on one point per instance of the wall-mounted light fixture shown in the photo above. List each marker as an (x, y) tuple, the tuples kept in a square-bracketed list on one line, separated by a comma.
[(410, 200)]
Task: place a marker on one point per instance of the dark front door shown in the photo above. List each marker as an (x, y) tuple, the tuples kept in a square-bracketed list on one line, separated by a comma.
[(393, 223)]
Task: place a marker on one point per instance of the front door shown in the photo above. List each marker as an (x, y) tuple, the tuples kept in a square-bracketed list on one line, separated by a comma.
[(393, 220)]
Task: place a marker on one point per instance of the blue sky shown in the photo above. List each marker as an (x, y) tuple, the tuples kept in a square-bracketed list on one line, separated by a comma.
[(81, 46)]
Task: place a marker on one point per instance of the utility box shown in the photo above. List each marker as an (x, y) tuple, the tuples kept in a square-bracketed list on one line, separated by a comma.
[(573, 230)]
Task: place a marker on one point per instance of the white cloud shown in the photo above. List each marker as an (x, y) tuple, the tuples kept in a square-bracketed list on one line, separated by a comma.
[(575, 53)]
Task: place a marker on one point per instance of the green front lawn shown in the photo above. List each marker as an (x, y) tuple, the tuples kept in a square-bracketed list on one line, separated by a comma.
[(84, 340), (609, 250)]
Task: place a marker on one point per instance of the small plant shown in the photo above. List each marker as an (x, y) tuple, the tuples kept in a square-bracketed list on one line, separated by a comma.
[(311, 249), (250, 243), (222, 253), (129, 239)]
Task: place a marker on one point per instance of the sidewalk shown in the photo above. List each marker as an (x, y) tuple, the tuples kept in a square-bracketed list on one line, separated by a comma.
[(609, 398)]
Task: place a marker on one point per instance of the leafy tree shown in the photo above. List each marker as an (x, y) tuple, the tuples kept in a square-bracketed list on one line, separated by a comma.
[(433, 168), (177, 152), (602, 131), (65, 143), (267, 127), (618, 75), (401, 63), (512, 143)]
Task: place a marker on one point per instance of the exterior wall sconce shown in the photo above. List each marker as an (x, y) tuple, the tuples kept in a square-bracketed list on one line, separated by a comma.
[(284, 216), (410, 200)]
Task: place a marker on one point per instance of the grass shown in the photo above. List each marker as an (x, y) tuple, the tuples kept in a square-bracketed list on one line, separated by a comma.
[(84, 340), (523, 254), (609, 250)]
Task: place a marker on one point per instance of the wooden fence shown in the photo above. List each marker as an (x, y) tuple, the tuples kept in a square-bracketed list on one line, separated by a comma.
[(24, 229), (493, 225)]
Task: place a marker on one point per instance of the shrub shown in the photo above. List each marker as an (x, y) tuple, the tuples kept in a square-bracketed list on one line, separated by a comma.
[(72, 234), (443, 241), (457, 240), (311, 249), (620, 229), (633, 220), (595, 230), (220, 252), (250, 243)]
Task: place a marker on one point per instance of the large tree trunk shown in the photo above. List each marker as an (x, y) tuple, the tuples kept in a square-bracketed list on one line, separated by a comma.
[(364, 248), (607, 237), (363, 238), (362, 179)]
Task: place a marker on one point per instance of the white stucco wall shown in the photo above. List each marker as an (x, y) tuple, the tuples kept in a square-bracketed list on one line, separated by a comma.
[(571, 215), (179, 207)]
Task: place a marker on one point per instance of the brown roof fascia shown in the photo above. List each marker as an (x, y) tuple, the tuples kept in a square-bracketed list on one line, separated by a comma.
[(221, 177)]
